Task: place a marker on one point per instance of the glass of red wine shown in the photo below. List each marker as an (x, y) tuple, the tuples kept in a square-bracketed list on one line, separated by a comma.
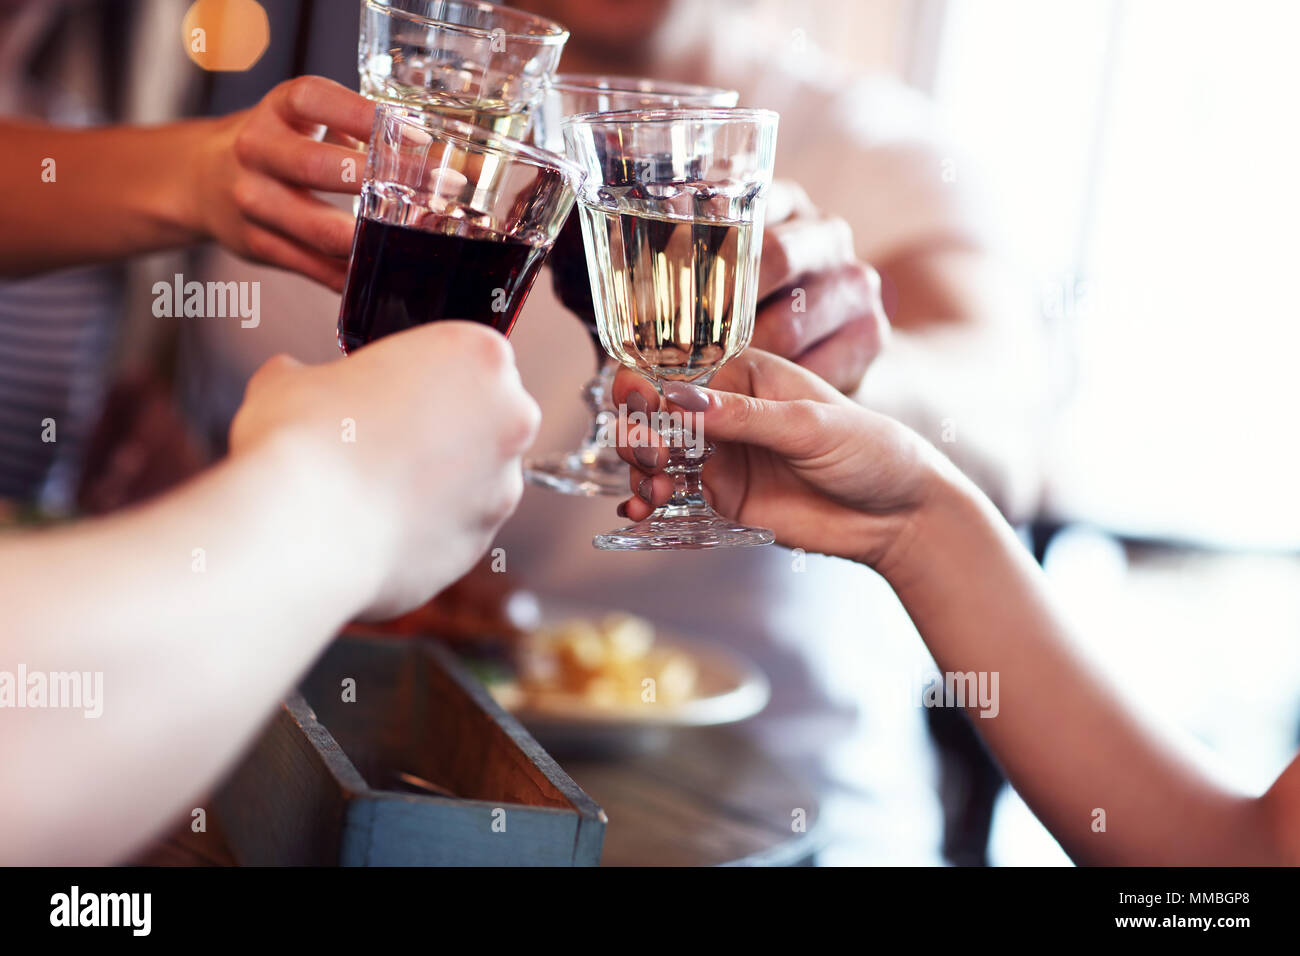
[(594, 468), (455, 222)]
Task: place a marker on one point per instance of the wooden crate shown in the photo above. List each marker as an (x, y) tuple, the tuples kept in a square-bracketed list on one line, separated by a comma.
[(319, 786)]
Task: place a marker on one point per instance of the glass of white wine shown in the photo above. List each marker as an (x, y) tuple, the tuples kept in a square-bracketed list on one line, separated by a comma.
[(672, 221), (473, 61), (594, 468)]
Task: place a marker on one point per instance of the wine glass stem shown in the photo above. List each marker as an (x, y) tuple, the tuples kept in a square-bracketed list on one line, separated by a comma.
[(685, 464), (595, 394)]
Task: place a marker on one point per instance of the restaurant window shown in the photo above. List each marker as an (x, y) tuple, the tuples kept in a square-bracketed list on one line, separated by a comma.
[(1144, 152)]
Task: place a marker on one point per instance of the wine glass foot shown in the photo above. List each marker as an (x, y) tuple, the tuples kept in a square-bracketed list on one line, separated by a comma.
[(573, 473), (682, 533)]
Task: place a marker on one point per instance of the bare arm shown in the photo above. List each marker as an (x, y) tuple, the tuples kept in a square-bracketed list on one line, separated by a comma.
[(827, 475), (1068, 744), (245, 180), (95, 195), (202, 608), (198, 611)]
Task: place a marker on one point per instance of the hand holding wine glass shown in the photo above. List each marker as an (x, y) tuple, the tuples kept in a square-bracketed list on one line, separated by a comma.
[(420, 489), (672, 220), (793, 454), (255, 173), (594, 467), (819, 305)]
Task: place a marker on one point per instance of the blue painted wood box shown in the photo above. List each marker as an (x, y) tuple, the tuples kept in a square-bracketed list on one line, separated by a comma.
[(392, 755)]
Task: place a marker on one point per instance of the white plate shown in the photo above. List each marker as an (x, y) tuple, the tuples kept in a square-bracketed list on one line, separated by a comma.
[(729, 688)]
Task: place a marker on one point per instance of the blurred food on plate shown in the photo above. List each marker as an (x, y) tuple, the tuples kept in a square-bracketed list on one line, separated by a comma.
[(613, 661)]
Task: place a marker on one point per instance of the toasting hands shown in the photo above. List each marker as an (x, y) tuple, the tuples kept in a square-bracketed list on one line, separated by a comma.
[(244, 180), (420, 488), (819, 306), (793, 455), (257, 169)]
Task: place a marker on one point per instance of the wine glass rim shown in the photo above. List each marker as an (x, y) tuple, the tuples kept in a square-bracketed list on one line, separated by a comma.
[(482, 138), (646, 85), (705, 114), (551, 32)]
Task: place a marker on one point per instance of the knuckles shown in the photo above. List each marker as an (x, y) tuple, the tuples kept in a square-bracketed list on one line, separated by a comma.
[(808, 416), (868, 280), (246, 142), (329, 236), (774, 261), (741, 409), (842, 234), (245, 193), (488, 347), (259, 244), (503, 504), (307, 166), (300, 91), (519, 430)]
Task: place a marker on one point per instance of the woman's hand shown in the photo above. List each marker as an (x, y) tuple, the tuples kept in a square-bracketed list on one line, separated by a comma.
[(420, 485), (793, 455), (256, 169)]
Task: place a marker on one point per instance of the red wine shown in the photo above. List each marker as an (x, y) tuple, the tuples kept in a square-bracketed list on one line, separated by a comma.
[(569, 275), (402, 277)]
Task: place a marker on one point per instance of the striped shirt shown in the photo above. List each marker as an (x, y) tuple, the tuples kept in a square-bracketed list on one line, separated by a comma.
[(55, 332)]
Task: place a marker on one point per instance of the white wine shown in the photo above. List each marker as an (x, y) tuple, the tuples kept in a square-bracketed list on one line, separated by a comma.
[(674, 297), (481, 63), (496, 115)]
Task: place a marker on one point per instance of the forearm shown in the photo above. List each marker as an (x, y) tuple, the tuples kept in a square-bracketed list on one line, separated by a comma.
[(199, 611), (1068, 745), (97, 194)]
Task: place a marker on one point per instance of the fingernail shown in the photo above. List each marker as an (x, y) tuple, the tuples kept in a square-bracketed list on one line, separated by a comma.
[(637, 403), (645, 489), (621, 510), (687, 396), (647, 456)]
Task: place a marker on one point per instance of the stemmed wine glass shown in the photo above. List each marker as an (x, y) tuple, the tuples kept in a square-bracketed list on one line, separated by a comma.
[(467, 59), (672, 222), (594, 468), (455, 222)]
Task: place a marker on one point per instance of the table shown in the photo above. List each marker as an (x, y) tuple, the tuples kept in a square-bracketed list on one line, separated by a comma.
[(705, 797), (709, 797)]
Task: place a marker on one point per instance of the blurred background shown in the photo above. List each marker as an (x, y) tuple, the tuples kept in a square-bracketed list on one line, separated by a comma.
[(1137, 158), (1140, 153)]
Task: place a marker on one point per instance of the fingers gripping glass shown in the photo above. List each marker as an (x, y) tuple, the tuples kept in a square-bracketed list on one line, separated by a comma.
[(455, 222), (594, 468), (672, 220)]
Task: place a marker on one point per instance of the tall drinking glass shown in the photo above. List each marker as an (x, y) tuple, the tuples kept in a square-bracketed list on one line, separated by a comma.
[(672, 221), (455, 222), (475, 61), (594, 468)]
